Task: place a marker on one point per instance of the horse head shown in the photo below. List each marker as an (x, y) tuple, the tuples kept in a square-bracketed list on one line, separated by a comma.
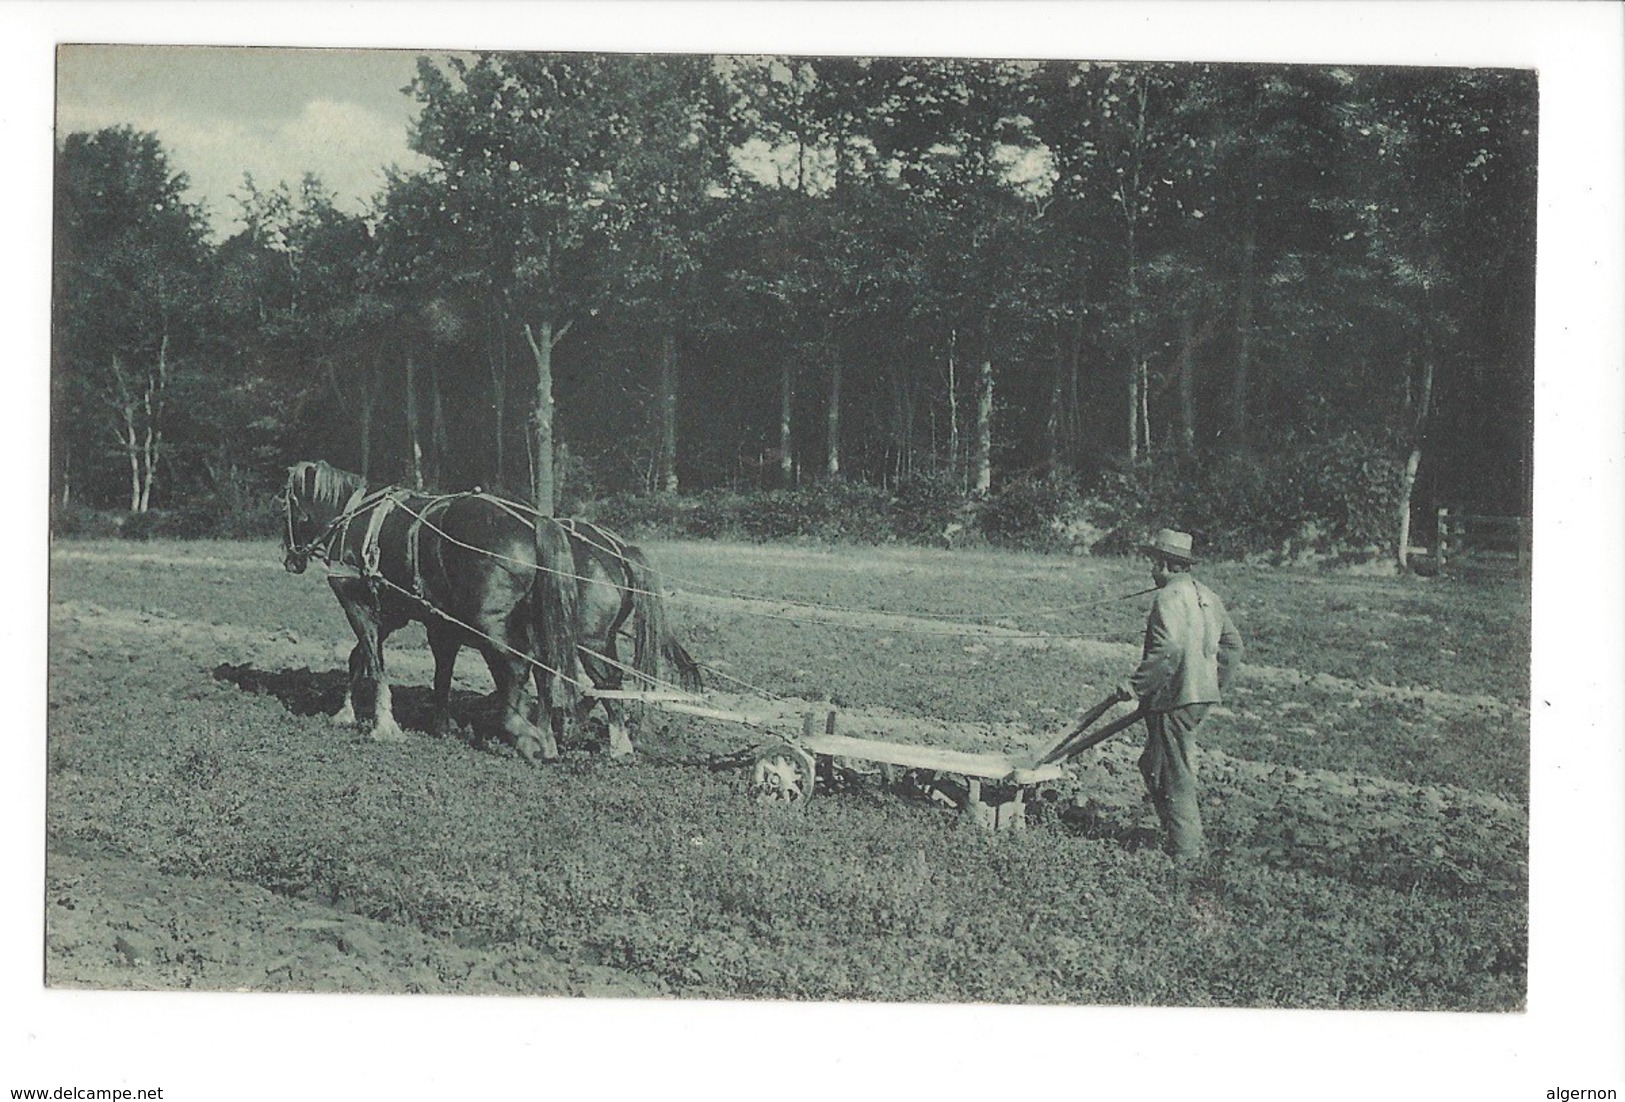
[(313, 497)]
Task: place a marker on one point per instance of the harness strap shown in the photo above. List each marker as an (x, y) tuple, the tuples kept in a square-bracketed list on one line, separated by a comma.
[(414, 538), (378, 511), (523, 515), (341, 531)]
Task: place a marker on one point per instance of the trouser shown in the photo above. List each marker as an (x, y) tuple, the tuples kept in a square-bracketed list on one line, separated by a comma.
[(1170, 776)]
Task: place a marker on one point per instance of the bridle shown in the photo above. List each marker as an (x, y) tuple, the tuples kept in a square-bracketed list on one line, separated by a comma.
[(296, 556)]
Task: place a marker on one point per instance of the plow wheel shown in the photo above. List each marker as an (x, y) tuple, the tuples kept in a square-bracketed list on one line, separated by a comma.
[(782, 774)]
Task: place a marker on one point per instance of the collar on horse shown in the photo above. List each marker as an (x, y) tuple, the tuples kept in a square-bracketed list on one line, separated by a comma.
[(326, 543), (329, 545)]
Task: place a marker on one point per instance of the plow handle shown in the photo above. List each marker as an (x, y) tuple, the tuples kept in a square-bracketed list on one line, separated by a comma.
[(1104, 733), (1071, 746), (1063, 748)]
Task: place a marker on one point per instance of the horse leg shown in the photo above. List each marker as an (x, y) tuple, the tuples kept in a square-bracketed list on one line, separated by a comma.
[(360, 608), (554, 717), (345, 716), (533, 743), (620, 743), (445, 645), (608, 676), (384, 727)]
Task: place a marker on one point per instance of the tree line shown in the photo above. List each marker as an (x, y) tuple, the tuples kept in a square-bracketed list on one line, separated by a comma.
[(641, 273)]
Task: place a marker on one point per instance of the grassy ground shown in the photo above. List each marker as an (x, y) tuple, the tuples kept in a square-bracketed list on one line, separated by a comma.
[(1366, 788)]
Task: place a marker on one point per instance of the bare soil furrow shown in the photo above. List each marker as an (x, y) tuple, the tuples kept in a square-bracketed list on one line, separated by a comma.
[(1124, 654), (1106, 775)]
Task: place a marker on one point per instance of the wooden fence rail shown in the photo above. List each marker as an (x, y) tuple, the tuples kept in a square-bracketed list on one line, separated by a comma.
[(1464, 538)]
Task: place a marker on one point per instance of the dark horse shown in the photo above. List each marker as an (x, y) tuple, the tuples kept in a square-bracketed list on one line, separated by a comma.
[(528, 592)]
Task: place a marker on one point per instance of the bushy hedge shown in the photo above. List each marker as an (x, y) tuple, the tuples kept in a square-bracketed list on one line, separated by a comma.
[(826, 512), (188, 522), (1327, 497), (1036, 513), (1335, 496), (76, 521)]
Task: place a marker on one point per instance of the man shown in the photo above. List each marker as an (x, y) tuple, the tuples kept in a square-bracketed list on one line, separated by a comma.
[(1192, 650)]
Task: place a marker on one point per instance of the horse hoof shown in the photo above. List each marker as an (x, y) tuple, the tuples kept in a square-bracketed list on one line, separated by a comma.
[(533, 750), (391, 733), (344, 717)]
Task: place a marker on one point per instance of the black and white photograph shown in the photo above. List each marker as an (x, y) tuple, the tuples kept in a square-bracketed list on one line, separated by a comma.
[(747, 557)]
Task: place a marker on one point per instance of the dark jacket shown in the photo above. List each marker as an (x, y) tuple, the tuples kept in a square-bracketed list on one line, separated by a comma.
[(1192, 647)]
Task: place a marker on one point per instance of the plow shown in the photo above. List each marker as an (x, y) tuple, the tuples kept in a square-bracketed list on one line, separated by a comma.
[(993, 789)]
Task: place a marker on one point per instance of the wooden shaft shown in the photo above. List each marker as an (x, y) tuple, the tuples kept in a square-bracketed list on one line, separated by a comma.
[(1060, 749), (1107, 732)]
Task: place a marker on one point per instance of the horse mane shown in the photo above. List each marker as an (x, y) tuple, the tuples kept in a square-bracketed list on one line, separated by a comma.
[(324, 484)]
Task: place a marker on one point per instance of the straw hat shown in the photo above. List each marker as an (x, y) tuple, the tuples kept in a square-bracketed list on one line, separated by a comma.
[(1171, 544)]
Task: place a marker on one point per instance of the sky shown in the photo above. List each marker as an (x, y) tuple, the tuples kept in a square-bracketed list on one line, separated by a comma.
[(221, 112), (276, 114)]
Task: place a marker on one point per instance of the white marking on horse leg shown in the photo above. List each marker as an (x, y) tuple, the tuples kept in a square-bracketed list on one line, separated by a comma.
[(620, 744), (537, 745), (345, 716), (550, 745), (384, 727)]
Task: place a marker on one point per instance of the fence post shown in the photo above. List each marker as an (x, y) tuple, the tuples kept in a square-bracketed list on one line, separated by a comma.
[(1441, 537)]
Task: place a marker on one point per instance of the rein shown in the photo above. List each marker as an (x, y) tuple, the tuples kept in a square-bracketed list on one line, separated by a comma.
[(319, 546)]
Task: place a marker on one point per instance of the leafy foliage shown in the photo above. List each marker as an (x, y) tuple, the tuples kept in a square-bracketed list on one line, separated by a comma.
[(1269, 258), (1331, 497), (1028, 512)]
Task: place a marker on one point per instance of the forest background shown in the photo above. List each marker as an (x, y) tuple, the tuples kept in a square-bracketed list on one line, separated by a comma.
[(1045, 302)]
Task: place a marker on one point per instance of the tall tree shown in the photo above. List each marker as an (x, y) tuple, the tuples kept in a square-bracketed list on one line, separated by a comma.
[(321, 316), (960, 139), (670, 174), (132, 263), (1447, 228), (523, 146)]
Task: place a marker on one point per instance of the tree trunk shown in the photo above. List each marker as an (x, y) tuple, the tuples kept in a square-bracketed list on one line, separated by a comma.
[(1074, 411), (984, 428), (497, 358), (157, 385), (126, 432), (1128, 197), (541, 418), (833, 465), (1053, 430), (904, 397), (414, 439), (787, 394), (953, 415), (138, 429), (1245, 291), (440, 448), (365, 415), (1414, 461), (1133, 411), (1187, 383), (1144, 381), (668, 413), (365, 432)]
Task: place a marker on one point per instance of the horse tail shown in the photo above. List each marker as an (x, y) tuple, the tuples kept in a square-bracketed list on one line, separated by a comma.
[(556, 609), (653, 645)]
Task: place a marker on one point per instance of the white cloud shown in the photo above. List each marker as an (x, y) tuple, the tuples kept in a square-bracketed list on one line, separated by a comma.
[(344, 143)]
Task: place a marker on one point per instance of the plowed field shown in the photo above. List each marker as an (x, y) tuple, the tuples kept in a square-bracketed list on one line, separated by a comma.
[(1366, 796)]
